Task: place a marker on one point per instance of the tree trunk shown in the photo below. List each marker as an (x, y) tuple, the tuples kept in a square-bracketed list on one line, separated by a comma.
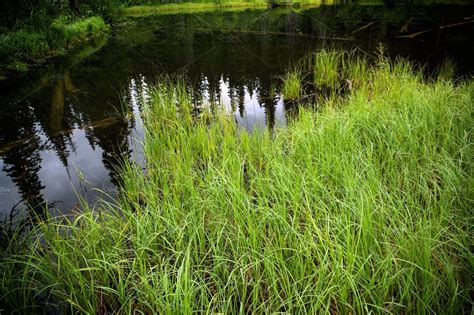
[(74, 5)]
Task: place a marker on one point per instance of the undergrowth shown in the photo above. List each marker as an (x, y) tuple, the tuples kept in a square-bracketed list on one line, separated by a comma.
[(25, 47)]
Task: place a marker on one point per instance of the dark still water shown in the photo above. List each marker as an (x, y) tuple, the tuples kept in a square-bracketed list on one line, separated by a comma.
[(65, 126)]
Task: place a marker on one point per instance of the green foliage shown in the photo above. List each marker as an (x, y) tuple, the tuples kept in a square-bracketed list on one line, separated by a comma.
[(20, 48), (69, 33), (18, 13), (292, 82), (23, 46), (357, 208), (326, 67), (194, 7), (355, 68), (145, 7)]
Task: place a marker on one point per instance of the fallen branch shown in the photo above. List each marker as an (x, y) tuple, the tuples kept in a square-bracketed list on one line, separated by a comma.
[(436, 28), (363, 27)]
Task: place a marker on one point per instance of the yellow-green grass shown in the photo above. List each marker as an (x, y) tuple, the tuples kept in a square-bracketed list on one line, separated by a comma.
[(355, 68), (292, 84), (326, 67), (196, 7), (185, 7), (357, 208), (74, 32)]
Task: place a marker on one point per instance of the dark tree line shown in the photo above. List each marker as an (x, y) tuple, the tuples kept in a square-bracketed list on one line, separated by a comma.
[(13, 12), (17, 12)]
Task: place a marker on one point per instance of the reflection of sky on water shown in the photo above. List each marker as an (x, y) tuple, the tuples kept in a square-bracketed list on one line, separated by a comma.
[(85, 171), (9, 194), (62, 184), (136, 97), (255, 110), (255, 115), (85, 176)]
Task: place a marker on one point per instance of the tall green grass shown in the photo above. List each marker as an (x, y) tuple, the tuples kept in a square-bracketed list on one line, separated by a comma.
[(326, 67), (333, 66), (292, 84), (447, 70), (69, 33), (361, 207), (355, 68)]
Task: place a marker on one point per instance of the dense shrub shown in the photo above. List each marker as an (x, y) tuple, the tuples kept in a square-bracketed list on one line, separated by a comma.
[(21, 48)]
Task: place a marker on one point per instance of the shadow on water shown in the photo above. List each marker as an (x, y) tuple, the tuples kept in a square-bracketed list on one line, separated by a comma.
[(65, 127)]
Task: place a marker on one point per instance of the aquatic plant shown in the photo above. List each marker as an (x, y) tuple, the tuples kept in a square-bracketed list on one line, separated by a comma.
[(356, 69), (355, 208), (326, 67), (292, 84), (447, 70)]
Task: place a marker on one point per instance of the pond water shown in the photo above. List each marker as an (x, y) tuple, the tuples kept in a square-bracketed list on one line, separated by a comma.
[(65, 126)]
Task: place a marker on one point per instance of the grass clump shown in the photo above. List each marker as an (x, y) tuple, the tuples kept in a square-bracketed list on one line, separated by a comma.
[(447, 70), (292, 82), (355, 68), (357, 208), (68, 33), (326, 67)]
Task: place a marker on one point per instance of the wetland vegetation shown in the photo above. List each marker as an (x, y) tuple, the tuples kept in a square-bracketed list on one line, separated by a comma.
[(359, 206), (296, 160), (41, 33)]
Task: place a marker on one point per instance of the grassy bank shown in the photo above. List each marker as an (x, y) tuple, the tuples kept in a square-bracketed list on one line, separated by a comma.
[(195, 7), (29, 46), (361, 206)]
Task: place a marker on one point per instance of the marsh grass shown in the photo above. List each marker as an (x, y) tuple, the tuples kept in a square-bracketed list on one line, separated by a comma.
[(71, 33), (292, 83), (331, 67), (355, 68), (189, 7), (326, 67), (360, 207), (447, 70), (206, 5)]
